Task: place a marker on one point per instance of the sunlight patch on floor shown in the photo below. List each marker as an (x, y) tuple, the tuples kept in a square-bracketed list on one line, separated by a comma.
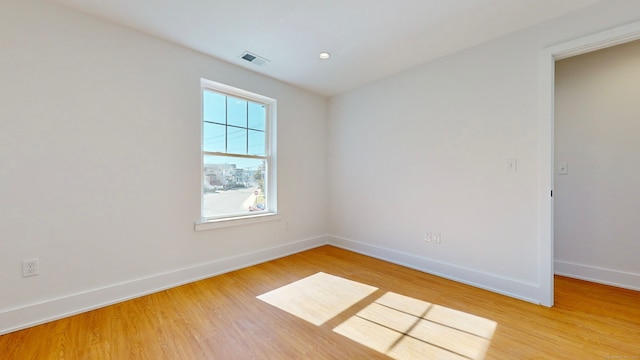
[(398, 326), (406, 328), (318, 298)]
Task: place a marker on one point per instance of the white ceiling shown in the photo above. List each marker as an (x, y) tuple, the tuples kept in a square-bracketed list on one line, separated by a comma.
[(368, 39)]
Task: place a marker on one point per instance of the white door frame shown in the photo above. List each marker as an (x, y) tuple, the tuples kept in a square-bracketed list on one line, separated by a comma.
[(548, 58)]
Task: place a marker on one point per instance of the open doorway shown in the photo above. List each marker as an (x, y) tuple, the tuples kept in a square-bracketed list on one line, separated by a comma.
[(548, 167), (597, 157)]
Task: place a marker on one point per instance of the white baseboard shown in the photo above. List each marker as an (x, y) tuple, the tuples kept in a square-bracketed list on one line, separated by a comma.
[(53, 309), (498, 284), (599, 275)]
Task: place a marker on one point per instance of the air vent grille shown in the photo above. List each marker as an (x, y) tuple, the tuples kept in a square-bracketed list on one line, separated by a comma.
[(254, 59)]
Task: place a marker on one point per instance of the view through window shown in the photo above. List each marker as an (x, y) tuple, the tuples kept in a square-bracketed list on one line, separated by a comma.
[(237, 151)]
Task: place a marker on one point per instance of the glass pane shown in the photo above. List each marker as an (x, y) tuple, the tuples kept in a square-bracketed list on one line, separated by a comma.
[(236, 140), (214, 107), (214, 137), (233, 186), (236, 112), (257, 143), (257, 116)]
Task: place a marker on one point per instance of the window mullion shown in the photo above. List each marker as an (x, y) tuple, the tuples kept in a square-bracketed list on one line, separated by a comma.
[(246, 126), (244, 156), (226, 123)]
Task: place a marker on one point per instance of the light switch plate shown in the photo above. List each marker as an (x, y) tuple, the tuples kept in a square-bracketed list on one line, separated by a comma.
[(563, 168)]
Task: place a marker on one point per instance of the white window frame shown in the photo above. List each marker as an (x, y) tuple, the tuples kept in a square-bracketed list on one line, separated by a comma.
[(270, 212)]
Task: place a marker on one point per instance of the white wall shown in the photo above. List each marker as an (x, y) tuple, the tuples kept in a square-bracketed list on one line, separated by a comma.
[(100, 173), (425, 151), (596, 133), (100, 165)]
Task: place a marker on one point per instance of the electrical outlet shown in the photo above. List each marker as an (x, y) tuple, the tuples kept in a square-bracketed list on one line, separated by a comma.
[(286, 225), (436, 238), (30, 267), (427, 237)]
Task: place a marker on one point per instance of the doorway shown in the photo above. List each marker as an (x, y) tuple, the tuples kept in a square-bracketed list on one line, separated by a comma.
[(548, 58), (597, 170)]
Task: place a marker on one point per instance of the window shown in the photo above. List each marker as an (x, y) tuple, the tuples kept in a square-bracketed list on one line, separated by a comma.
[(238, 147)]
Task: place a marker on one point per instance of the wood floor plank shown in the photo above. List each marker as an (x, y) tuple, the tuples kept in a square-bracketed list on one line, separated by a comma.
[(221, 318)]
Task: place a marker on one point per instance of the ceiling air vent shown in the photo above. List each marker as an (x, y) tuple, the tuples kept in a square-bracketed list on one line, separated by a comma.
[(253, 58)]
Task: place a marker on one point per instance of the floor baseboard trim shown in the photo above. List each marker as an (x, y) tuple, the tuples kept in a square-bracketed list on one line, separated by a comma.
[(38, 313), (494, 283), (599, 275)]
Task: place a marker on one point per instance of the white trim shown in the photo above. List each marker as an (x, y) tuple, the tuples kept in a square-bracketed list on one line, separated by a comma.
[(547, 71), (52, 309), (598, 41), (548, 57), (237, 221), (234, 91), (599, 275), (495, 283)]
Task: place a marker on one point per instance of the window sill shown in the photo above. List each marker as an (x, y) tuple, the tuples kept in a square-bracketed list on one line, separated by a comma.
[(238, 221)]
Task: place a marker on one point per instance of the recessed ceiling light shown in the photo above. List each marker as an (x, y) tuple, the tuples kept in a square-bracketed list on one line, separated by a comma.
[(324, 55)]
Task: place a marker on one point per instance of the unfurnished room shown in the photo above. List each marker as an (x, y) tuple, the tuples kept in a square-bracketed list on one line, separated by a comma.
[(305, 179)]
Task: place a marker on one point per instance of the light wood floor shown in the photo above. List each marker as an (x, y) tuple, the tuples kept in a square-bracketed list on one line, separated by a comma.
[(220, 318)]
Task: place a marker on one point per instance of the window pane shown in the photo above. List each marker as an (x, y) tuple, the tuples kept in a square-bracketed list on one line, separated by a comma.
[(257, 116), (214, 107), (236, 112), (236, 140), (257, 143), (214, 137), (233, 186)]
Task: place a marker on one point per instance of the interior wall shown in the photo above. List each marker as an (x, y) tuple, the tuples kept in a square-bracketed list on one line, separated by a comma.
[(596, 134), (100, 164), (426, 151)]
